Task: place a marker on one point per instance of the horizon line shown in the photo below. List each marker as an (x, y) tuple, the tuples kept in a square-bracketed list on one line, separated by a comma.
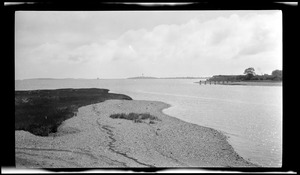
[(47, 78)]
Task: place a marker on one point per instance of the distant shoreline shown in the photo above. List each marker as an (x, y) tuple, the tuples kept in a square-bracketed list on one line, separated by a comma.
[(167, 77), (245, 83), (111, 78), (257, 83)]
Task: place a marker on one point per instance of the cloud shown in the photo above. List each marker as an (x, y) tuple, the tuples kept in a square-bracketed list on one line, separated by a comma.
[(191, 48), (261, 38)]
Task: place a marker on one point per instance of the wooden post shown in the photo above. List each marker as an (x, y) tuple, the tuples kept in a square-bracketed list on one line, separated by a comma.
[(200, 82)]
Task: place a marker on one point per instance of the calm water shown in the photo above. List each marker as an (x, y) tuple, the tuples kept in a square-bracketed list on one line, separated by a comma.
[(250, 115)]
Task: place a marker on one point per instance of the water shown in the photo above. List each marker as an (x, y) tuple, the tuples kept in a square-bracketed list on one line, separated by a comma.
[(251, 116)]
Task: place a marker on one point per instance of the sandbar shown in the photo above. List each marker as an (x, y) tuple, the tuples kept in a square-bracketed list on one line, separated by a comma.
[(92, 139)]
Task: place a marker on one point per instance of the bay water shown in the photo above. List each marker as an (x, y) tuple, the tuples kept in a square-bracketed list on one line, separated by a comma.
[(251, 116)]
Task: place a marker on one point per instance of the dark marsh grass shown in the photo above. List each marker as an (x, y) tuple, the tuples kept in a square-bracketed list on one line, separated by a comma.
[(42, 111), (136, 117)]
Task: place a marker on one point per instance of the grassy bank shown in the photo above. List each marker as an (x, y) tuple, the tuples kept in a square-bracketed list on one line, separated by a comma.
[(42, 111)]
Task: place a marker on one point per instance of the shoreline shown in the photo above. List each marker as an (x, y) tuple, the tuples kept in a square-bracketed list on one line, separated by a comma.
[(93, 139), (246, 83), (256, 83)]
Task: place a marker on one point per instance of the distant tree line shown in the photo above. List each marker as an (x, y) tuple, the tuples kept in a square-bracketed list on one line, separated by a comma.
[(249, 75)]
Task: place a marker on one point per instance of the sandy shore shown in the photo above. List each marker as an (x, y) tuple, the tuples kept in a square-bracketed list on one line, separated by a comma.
[(93, 139)]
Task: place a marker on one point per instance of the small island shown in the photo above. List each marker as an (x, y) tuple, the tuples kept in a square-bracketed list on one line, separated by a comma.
[(249, 78), (142, 77)]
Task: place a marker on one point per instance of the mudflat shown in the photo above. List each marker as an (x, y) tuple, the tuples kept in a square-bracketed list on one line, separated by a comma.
[(93, 139)]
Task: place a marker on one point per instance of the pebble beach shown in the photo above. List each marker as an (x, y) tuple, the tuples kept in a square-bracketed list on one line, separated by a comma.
[(92, 139)]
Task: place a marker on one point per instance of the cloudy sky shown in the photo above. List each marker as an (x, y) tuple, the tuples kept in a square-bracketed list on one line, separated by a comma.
[(154, 43)]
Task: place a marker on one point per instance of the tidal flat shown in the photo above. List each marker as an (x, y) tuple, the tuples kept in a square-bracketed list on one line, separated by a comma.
[(94, 139)]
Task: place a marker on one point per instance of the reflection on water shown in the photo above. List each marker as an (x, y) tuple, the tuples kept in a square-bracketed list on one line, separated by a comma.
[(250, 115)]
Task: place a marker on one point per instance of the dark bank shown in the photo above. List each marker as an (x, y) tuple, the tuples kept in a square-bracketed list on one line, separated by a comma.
[(41, 111)]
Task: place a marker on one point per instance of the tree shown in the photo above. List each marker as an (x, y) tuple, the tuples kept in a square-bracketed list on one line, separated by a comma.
[(250, 72), (277, 74)]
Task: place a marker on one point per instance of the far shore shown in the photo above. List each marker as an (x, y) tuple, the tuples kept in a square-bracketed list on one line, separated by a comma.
[(244, 83), (93, 139), (256, 83)]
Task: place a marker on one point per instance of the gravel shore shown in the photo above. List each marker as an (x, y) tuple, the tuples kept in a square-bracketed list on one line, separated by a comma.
[(94, 140)]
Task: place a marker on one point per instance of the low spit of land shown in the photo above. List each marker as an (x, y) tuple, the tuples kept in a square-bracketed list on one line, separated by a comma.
[(126, 133), (243, 83)]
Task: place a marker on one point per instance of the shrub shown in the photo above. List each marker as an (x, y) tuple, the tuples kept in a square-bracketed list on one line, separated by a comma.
[(135, 117), (137, 121), (151, 122)]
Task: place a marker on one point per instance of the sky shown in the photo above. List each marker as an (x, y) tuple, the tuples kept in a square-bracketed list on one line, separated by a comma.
[(122, 44)]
